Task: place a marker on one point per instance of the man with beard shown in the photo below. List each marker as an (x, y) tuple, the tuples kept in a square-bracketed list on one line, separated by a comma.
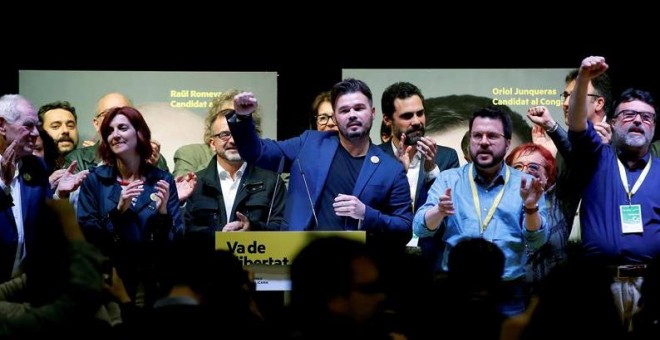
[(339, 179), (231, 194), (619, 181), (59, 119), (491, 200), (403, 110)]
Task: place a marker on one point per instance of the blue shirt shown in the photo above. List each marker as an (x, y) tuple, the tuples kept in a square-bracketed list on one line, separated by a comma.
[(507, 227), (600, 218)]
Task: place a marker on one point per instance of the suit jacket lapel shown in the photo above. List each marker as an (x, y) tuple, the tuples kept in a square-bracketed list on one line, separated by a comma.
[(317, 169), (371, 162), (211, 188)]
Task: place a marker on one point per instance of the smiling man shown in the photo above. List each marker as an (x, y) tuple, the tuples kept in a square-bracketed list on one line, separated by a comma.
[(60, 121)]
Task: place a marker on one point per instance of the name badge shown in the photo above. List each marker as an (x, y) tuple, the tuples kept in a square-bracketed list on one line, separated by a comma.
[(631, 218)]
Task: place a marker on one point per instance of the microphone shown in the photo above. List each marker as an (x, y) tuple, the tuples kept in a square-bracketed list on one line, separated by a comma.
[(280, 169), (309, 196)]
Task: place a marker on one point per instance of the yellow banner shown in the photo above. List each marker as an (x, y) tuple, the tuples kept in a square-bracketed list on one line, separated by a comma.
[(274, 248)]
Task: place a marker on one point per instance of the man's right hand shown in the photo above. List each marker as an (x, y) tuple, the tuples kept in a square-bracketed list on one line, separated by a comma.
[(245, 103)]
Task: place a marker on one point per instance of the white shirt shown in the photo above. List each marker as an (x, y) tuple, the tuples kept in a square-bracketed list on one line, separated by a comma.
[(15, 190), (413, 178), (229, 187), (413, 172)]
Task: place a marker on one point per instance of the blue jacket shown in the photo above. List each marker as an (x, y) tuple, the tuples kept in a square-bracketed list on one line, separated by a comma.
[(381, 185), (35, 189), (135, 239)]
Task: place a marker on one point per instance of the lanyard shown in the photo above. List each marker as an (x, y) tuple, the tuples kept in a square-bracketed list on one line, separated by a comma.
[(496, 202), (638, 183)]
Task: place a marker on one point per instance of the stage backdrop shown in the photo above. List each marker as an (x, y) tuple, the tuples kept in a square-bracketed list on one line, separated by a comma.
[(174, 103), (453, 94)]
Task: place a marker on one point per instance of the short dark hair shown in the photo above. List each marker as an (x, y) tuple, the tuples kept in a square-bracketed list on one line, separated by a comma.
[(134, 116), (399, 90), (631, 94), (494, 112), (60, 104), (317, 277), (350, 85)]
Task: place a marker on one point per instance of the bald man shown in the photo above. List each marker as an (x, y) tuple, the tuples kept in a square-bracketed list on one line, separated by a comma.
[(88, 157)]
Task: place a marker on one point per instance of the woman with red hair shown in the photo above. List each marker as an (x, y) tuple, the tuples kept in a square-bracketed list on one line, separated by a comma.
[(128, 207), (537, 161)]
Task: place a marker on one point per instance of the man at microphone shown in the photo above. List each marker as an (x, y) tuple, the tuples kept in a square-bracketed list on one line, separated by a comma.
[(339, 179), (232, 194)]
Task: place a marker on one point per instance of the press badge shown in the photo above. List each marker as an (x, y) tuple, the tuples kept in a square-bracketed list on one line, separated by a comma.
[(631, 218)]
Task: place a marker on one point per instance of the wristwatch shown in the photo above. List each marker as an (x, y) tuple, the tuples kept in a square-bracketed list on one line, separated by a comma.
[(531, 210)]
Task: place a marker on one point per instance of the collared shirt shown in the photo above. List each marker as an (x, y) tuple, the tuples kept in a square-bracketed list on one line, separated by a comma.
[(229, 186), (413, 171), (413, 178), (507, 227), (604, 193), (15, 190)]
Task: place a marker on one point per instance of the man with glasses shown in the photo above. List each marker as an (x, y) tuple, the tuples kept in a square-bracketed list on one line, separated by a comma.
[(620, 183), (232, 194), (488, 199)]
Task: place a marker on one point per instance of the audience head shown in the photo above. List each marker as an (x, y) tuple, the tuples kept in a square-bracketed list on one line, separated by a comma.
[(345, 284), (477, 263)]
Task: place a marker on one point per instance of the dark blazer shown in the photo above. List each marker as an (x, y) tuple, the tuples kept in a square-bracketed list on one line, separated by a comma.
[(381, 185), (205, 208), (33, 178), (133, 239), (445, 158)]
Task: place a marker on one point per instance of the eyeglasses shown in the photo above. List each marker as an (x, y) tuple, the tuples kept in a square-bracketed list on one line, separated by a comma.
[(491, 136), (533, 167), (323, 119), (565, 95), (628, 115), (222, 135)]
